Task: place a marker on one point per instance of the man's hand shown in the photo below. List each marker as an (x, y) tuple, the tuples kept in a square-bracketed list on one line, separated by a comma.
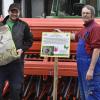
[(72, 36), (19, 51), (89, 74), (95, 56)]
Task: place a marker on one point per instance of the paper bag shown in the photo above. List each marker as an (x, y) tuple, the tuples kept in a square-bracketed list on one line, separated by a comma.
[(7, 47)]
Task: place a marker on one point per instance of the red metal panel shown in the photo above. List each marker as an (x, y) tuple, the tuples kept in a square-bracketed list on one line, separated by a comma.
[(47, 68), (39, 25), (55, 22)]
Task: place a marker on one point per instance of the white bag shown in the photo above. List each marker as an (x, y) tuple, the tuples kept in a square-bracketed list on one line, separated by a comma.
[(7, 47)]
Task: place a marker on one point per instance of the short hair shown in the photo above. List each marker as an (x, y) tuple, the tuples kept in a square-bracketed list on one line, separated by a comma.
[(91, 8), (14, 6)]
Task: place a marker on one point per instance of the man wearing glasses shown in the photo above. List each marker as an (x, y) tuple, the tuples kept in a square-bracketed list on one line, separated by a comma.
[(88, 55)]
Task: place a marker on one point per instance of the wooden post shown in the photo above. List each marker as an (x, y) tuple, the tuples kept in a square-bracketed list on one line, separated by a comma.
[(55, 78)]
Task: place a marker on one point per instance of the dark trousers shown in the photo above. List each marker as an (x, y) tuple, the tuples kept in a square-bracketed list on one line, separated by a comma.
[(13, 72)]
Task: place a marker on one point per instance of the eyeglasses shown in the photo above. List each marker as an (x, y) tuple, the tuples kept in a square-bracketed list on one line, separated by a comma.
[(87, 13)]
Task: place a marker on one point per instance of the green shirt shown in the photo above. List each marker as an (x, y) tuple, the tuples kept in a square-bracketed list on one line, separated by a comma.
[(10, 24)]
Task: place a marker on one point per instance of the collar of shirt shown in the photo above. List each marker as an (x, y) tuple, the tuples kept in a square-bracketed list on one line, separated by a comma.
[(88, 23)]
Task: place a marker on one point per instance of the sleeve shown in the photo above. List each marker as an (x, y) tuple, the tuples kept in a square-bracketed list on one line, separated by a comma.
[(77, 36), (28, 38), (95, 37)]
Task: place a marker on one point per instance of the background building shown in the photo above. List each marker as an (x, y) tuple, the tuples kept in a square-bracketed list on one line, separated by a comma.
[(49, 8)]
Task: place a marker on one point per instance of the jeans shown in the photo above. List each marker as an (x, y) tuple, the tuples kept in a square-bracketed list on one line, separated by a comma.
[(89, 90), (13, 72), (94, 88)]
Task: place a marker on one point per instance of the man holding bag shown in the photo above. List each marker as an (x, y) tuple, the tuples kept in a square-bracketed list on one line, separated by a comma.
[(23, 39)]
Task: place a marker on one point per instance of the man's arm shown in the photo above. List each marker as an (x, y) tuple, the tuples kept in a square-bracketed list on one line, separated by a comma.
[(95, 56), (28, 38)]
